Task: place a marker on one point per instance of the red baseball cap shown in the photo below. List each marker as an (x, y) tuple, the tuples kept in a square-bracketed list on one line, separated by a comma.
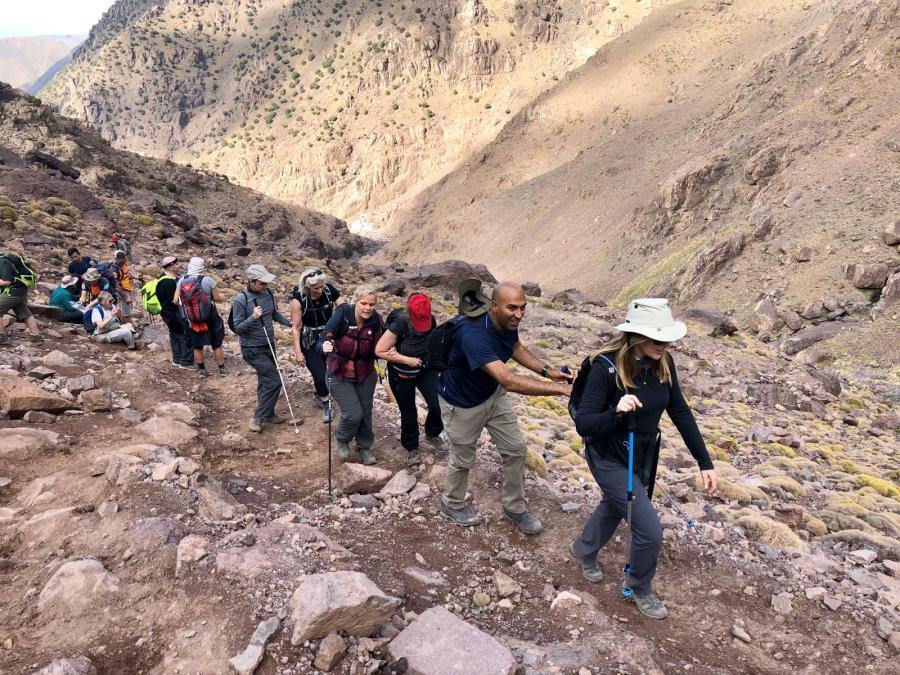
[(419, 308)]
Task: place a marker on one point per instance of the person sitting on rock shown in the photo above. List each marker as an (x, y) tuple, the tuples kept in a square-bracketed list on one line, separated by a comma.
[(348, 341), (107, 328), (66, 297), (633, 375), (78, 264), (403, 346), (92, 284), (473, 396), (197, 294), (312, 304), (16, 278)]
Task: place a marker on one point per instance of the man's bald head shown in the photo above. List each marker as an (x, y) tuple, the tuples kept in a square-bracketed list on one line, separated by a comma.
[(507, 290), (508, 305)]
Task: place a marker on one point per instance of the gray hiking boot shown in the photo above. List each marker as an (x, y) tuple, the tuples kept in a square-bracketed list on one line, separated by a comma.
[(366, 456), (4, 336), (414, 458), (255, 425), (275, 419), (440, 443), (525, 522), (462, 516), (590, 570), (650, 605), (343, 450), (326, 415)]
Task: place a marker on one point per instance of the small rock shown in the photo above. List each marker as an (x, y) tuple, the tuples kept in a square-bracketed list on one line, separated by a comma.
[(353, 477), (505, 585), (505, 603), (863, 555), (894, 641), (5, 481), (741, 634), (247, 661), (883, 627), (402, 482), (481, 599), (58, 359), (781, 603), (816, 593), (570, 507), (803, 254), (892, 233), (41, 372), (832, 602), (364, 501), (331, 651), (78, 385), (565, 599), (191, 549), (107, 508), (38, 417), (75, 665)]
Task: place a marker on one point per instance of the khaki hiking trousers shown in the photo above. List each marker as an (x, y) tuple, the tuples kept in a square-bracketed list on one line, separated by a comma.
[(463, 427)]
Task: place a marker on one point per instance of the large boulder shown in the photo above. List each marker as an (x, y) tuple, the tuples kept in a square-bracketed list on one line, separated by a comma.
[(354, 477), (167, 431), (712, 322), (402, 482), (24, 439), (18, 396), (447, 273), (339, 601), (809, 336), (76, 586), (867, 275), (440, 643), (765, 316)]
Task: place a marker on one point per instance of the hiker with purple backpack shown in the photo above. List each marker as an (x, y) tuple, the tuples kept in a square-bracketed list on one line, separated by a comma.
[(197, 294)]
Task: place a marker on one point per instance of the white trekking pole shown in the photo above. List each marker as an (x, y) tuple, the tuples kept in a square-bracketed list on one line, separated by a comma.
[(271, 344)]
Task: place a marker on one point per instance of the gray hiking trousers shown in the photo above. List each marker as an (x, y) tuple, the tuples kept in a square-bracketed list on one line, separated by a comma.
[(123, 334), (647, 535), (355, 401), (268, 383)]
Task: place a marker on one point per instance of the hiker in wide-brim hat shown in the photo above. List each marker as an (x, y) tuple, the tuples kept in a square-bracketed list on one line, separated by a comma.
[(634, 374)]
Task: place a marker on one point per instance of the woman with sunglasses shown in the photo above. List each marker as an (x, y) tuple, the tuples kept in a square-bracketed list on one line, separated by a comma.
[(312, 304), (633, 376)]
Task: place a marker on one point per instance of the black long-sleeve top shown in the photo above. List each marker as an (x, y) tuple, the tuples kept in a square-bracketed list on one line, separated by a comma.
[(605, 429)]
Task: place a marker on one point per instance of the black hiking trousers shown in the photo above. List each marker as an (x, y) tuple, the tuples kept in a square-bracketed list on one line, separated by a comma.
[(268, 383), (179, 341), (404, 389), (647, 535), (315, 364)]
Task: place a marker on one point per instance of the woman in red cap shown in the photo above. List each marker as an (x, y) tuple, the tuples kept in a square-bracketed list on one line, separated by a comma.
[(403, 346)]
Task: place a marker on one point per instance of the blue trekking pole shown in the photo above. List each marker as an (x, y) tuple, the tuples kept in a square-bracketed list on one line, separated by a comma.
[(631, 422)]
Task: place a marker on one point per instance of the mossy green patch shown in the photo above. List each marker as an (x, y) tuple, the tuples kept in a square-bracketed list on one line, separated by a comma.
[(881, 486), (7, 213), (647, 281), (144, 220), (535, 461), (780, 449), (549, 404)]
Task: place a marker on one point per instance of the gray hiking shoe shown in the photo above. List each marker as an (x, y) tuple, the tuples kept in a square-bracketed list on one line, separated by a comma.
[(462, 516), (343, 450), (525, 522), (366, 456), (440, 443), (255, 425), (650, 605), (326, 415), (275, 419), (590, 570), (414, 458), (4, 336)]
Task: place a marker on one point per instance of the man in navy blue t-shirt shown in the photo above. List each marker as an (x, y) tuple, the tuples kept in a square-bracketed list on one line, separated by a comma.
[(473, 396)]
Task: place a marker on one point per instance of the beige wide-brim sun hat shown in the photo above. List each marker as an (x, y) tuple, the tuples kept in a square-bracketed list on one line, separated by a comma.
[(652, 318)]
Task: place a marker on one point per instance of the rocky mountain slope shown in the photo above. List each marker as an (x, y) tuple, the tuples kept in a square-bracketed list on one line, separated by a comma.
[(23, 60), (346, 106), (719, 152), (147, 199), (144, 530)]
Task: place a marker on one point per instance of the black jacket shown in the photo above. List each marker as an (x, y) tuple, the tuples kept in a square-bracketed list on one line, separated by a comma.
[(605, 429)]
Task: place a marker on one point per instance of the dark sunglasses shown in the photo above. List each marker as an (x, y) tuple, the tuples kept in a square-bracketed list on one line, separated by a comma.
[(659, 343)]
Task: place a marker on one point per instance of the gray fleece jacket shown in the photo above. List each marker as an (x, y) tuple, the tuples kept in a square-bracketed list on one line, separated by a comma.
[(250, 330)]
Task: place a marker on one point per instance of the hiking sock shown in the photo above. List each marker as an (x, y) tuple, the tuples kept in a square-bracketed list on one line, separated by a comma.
[(201, 370)]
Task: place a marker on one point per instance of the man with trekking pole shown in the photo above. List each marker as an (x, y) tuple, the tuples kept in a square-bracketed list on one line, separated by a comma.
[(252, 313)]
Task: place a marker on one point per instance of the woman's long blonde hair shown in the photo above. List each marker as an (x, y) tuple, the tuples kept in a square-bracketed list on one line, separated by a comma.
[(626, 364)]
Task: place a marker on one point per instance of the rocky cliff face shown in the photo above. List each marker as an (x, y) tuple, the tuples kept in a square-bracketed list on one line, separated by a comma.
[(717, 153), (350, 106)]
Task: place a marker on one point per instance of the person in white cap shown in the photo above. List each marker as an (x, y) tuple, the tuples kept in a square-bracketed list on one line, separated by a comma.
[(65, 296), (633, 375), (197, 294), (253, 311)]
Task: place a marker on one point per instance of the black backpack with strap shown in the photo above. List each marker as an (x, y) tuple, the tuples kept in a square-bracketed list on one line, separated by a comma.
[(581, 381), (440, 343), (246, 300)]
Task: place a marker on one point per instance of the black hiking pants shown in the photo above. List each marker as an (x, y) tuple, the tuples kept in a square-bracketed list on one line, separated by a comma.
[(268, 384), (315, 364), (180, 342), (71, 316), (404, 388), (647, 536)]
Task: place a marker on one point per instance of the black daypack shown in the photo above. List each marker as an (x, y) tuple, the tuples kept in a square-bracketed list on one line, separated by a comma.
[(581, 380), (440, 343)]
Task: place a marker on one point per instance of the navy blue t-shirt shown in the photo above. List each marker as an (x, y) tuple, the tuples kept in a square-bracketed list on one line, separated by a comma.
[(477, 343)]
